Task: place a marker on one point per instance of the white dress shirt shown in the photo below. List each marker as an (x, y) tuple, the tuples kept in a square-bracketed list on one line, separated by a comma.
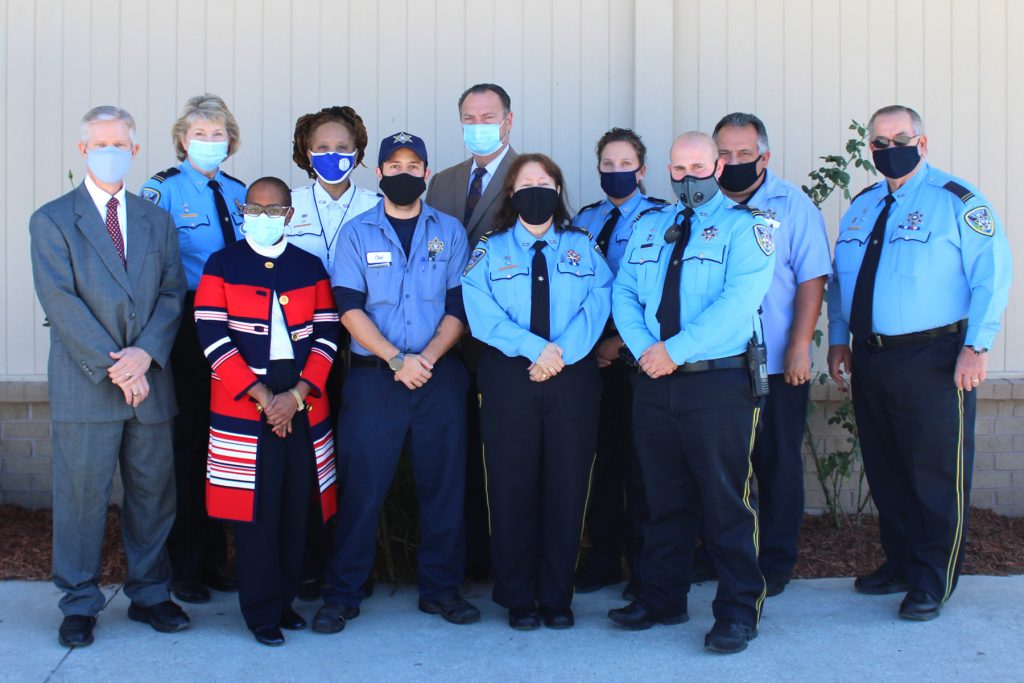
[(280, 340)]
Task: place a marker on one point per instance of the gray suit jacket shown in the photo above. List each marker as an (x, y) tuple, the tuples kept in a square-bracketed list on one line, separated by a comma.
[(448, 191), (95, 305)]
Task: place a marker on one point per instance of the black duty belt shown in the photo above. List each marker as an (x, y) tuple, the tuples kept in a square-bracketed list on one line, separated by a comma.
[(360, 361), (730, 363), (882, 341)]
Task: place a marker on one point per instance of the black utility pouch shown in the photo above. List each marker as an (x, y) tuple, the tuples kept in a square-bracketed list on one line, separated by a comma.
[(757, 366)]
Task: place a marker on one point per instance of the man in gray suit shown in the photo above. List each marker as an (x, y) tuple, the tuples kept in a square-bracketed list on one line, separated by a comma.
[(471, 191), (108, 275)]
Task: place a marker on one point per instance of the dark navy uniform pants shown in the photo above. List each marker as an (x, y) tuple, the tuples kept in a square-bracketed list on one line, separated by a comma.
[(917, 441), (779, 468), (617, 508), (378, 416), (539, 440), (268, 551), (694, 434), (197, 544)]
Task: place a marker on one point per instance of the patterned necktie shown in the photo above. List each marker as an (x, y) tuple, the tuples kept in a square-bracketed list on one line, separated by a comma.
[(476, 189), (540, 296), (668, 309), (861, 310), (114, 228), (227, 230), (605, 235)]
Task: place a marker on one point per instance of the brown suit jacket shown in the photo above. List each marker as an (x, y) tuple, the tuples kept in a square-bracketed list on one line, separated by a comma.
[(448, 189)]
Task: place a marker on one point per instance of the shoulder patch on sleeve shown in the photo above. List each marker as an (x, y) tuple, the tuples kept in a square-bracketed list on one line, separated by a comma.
[(960, 191), (231, 177), (166, 173), (981, 221), (477, 256), (869, 187), (588, 207), (151, 195), (765, 238)]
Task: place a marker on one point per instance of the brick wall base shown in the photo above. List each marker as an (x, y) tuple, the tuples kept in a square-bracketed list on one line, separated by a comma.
[(26, 450)]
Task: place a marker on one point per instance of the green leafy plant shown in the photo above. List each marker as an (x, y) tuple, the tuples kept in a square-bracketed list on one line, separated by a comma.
[(835, 468)]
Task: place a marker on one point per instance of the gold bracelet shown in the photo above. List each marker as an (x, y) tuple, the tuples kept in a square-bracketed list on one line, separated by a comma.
[(298, 399)]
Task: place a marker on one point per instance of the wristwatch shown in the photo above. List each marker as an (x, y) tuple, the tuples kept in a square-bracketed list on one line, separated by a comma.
[(397, 362), (978, 350)]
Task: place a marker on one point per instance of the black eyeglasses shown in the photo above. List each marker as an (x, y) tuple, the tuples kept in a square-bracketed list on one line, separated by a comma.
[(898, 141), (274, 210)]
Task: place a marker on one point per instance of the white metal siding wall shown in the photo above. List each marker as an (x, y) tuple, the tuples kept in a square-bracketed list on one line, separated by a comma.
[(573, 68)]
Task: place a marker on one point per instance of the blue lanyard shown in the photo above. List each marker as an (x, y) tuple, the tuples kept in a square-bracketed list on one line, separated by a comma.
[(323, 231)]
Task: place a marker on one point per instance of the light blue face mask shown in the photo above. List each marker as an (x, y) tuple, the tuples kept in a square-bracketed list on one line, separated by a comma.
[(207, 155), (264, 230), (109, 164), (482, 139)]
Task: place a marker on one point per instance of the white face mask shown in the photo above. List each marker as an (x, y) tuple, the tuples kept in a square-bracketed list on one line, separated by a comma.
[(264, 230)]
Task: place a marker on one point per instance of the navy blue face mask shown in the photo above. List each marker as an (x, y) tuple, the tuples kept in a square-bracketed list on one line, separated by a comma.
[(896, 162), (618, 184)]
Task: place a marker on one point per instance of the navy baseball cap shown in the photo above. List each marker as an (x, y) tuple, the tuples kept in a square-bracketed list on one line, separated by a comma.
[(399, 140)]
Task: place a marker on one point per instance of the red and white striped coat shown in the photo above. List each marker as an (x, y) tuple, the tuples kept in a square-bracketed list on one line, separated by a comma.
[(233, 307)]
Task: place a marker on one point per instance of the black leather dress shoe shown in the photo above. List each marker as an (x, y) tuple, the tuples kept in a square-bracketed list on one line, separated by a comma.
[(220, 582), (193, 592), (76, 630), (332, 618), (524, 618), (453, 608), (268, 635), (558, 617), (636, 617), (590, 582), (882, 581), (292, 620), (309, 590), (632, 590), (165, 616), (775, 583), (728, 636), (919, 606)]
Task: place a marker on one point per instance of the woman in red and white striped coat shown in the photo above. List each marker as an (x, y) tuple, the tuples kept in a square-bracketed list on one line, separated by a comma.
[(268, 326)]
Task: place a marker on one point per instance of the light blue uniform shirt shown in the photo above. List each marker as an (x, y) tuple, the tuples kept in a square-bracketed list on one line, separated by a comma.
[(945, 258), (405, 297), (183, 192), (497, 290), (727, 269), (593, 217), (801, 254), (318, 218)]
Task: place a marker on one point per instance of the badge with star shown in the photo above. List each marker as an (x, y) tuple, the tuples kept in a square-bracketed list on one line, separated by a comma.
[(402, 138), (573, 257), (765, 239), (710, 233), (434, 247), (914, 219), (981, 221)]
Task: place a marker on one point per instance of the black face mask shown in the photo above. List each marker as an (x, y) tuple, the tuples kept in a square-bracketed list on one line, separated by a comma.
[(535, 205), (738, 177), (402, 189), (896, 162)]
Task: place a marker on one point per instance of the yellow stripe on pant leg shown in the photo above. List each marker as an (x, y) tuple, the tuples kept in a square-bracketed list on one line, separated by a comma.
[(746, 503), (954, 554), (483, 457), (586, 504)]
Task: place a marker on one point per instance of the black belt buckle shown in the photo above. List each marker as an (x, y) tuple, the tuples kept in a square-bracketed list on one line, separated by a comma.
[(627, 357)]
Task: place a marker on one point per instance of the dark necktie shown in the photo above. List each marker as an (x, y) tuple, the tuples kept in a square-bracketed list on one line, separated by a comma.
[(861, 315), (668, 309), (114, 228), (226, 228), (476, 188), (540, 299), (605, 235)]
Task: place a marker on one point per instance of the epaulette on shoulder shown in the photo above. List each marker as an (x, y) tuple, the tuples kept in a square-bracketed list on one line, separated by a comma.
[(588, 207), (656, 200), (752, 210), (496, 231), (869, 187), (576, 228), (959, 190), (165, 174), (231, 177), (651, 209)]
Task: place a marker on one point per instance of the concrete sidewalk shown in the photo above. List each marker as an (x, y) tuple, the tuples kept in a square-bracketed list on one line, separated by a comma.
[(818, 630)]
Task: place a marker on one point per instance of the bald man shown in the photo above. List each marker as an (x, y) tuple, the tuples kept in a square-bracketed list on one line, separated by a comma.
[(685, 302)]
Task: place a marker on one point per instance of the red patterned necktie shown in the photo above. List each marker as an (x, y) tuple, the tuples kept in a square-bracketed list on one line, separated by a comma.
[(114, 228)]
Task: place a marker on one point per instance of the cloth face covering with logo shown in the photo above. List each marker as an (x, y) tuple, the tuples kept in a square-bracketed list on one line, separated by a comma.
[(333, 167)]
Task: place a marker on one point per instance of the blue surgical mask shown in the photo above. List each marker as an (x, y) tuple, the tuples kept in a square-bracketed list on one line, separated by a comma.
[(264, 230), (482, 139), (618, 184), (109, 164), (333, 167), (207, 155)]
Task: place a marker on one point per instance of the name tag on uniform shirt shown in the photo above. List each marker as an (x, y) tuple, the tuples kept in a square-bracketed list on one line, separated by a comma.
[(378, 259)]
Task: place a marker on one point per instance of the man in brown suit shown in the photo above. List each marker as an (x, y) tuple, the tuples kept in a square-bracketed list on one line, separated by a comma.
[(471, 191)]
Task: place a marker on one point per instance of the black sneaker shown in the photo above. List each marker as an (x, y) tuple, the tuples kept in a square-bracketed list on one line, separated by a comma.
[(453, 608), (728, 636)]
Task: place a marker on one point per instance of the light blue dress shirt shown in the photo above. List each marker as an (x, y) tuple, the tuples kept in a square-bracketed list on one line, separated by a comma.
[(593, 217)]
